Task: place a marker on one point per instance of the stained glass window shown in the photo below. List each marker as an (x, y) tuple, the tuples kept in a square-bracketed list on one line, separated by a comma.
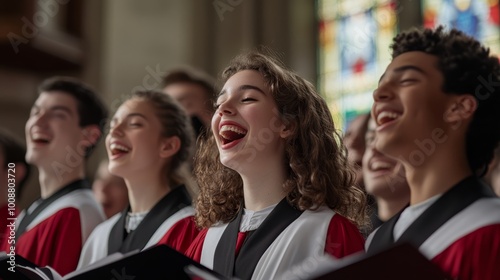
[(354, 39), (478, 18)]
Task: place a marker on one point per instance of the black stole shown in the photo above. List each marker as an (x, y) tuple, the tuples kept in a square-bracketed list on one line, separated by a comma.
[(448, 205), (28, 218), (120, 241), (255, 245)]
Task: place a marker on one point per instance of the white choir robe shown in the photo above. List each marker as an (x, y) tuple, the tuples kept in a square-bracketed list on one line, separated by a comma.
[(312, 234), (176, 231)]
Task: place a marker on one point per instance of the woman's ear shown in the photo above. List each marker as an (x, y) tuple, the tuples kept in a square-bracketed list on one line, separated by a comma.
[(287, 130), (462, 108), (170, 146)]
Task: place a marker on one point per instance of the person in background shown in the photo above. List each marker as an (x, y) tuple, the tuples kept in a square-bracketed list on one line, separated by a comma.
[(64, 125), (195, 92), (109, 190), (384, 179), (354, 140), (492, 177), (12, 151)]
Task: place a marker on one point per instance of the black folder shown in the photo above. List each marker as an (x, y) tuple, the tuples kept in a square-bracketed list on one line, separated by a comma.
[(401, 261), (158, 262), (6, 267)]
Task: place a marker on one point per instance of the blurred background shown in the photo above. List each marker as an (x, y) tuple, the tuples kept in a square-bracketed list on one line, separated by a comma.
[(118, 46)]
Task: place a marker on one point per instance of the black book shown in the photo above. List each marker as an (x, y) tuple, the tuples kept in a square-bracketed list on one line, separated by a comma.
[(9, 264), (158, 262), (401, 261)]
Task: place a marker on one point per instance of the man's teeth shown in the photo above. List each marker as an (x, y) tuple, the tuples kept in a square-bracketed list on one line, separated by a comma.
[(233, 129), (39, 137), (115, 146), (380, 165)]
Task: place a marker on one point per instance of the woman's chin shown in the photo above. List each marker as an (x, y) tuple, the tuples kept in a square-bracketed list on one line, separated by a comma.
[(231, 163)]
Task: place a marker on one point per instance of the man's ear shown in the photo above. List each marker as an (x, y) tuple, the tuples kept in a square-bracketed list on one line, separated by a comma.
[(92, 133), (170, 146), (462, 108)]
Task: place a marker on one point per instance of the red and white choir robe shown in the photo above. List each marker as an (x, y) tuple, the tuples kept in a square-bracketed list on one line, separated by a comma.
[(169, 222), (466, 244), (52, 231), (266, 243)]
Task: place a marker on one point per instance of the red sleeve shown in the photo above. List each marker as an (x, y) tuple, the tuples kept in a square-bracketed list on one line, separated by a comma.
[(343, 238), (55, 242), (181, 234), (194, 251), (475, 256)]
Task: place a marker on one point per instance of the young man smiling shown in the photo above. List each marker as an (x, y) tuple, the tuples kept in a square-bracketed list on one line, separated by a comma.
[(63, 127), (437, 109)]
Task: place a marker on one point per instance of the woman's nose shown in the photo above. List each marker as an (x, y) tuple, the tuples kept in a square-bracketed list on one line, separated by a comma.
[(226, 108)]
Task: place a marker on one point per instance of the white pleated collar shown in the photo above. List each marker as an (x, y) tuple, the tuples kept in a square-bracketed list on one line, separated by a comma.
[(251, 220)]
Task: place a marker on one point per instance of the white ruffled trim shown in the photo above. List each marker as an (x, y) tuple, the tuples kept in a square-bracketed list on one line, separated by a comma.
[(251, 220)]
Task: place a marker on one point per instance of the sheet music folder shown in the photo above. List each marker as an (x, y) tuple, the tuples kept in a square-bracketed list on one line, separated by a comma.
[(401, 261), (158, 262), (5, 265)]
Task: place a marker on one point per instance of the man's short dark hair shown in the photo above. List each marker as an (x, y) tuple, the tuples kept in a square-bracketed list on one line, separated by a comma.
[(191, 77), (467, 68), (91, 110)]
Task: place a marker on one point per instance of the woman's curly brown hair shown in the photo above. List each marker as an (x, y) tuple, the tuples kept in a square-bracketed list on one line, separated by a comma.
[(318, 170), (467, 68)]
